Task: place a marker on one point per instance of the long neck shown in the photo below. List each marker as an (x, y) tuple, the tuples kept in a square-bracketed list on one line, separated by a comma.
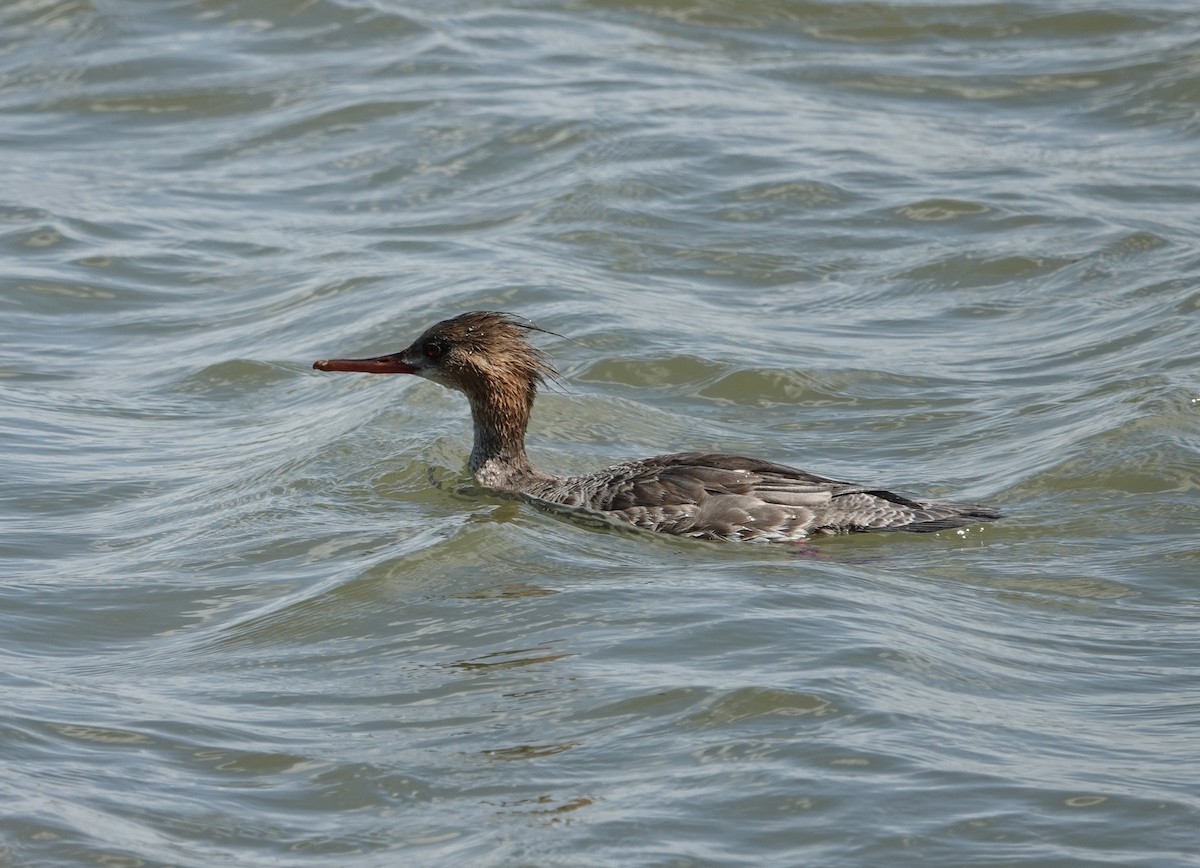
[(501, 414)]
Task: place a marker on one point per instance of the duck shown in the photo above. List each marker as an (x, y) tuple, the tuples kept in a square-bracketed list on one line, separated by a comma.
[(487, 355)]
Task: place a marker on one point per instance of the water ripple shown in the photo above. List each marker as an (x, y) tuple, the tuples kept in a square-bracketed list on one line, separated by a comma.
[(257, 614)]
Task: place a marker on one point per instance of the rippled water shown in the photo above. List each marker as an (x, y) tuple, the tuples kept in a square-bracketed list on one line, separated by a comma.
[(257, 615)]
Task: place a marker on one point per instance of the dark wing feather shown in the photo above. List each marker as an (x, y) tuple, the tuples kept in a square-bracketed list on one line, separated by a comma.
[(715, 496)]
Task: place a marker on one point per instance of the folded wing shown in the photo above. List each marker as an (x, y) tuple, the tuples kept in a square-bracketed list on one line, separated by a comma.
[(713, 496)]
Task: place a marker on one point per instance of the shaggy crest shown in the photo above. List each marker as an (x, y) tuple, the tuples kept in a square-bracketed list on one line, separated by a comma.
[(483, 347)]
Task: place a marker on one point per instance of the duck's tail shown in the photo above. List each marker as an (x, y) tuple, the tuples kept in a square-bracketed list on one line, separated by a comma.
[(942, 515)]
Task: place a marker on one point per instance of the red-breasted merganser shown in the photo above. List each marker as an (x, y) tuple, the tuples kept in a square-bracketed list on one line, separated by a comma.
[(486, 356)]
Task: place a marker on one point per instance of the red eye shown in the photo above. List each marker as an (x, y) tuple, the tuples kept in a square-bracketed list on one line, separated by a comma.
[(432, 350)]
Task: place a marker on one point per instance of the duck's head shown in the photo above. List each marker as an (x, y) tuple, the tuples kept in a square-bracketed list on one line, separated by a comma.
[(480, 353)]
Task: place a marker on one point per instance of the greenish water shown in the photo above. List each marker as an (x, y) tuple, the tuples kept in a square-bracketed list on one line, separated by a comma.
[(257, 615)]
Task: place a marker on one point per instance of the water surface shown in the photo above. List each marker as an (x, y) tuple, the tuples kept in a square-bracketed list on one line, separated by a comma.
[(258, 615)]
